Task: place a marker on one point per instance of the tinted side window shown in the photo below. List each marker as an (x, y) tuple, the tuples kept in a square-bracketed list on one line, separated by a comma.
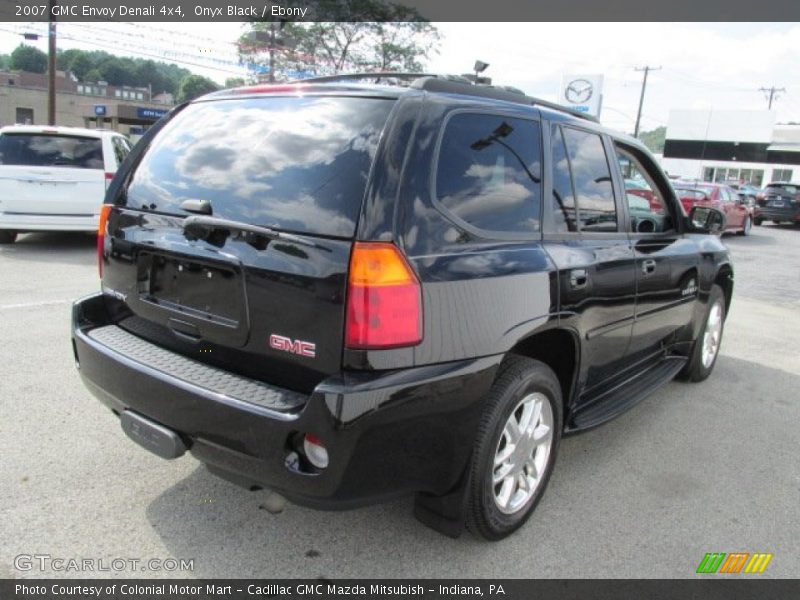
[(648, 208), (592, 178), (564, 218), (489, 172)]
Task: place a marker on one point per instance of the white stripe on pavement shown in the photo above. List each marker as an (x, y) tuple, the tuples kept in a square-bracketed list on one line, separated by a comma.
[(33, 304)]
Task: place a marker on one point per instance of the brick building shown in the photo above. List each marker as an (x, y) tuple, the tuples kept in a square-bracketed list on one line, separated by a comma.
[(129, 110)]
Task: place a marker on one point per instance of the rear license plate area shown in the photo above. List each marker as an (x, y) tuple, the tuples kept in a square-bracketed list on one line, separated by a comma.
[(195, 288)]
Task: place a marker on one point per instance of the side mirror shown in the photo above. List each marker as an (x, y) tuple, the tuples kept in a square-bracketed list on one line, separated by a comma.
[(704, 219)]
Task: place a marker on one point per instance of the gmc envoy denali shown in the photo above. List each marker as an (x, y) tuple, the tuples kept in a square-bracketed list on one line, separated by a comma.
[(349, 291)]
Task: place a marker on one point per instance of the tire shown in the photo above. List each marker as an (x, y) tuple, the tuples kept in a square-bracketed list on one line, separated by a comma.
[(746, 226), (757, 222), (776, 222), (7, 236), (527, 392), (701, 363)]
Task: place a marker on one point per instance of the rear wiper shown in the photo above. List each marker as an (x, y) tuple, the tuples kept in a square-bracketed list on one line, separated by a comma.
[(208, 228)]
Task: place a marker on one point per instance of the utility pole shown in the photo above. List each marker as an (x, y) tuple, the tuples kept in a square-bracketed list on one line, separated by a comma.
[(51, 67), (272, 51), (773, 94), (646, 70)]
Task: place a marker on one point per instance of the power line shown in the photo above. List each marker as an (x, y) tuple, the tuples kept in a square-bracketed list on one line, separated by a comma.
[(646, 70)]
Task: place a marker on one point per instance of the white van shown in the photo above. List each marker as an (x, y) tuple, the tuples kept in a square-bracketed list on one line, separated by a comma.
[(55, 178)]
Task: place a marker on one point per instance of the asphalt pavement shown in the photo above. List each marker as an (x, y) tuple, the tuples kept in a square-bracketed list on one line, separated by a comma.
[(696, 468)]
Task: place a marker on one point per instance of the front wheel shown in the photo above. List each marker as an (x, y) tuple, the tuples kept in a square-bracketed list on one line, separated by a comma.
[(515, 448), (706, 346)]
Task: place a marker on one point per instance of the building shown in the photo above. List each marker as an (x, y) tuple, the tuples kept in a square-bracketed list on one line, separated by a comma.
[(731, 145), (129, 110)]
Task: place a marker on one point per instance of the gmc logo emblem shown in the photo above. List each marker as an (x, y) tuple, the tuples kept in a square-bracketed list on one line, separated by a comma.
[(299, 347)]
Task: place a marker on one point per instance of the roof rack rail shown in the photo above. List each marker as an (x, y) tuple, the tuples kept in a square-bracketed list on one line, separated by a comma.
[(363, 75), (452, 84), (509, 94)]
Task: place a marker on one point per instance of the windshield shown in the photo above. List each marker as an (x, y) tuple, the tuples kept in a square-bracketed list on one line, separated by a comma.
[(296, 164), (49, 150)]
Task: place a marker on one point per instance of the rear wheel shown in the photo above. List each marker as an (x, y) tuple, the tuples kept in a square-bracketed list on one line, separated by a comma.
[(7, 236), (757, 221), (706, 346), (515, 448), (746, 226)]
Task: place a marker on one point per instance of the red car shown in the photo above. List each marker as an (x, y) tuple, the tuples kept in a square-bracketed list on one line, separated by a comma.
[(738, 214)]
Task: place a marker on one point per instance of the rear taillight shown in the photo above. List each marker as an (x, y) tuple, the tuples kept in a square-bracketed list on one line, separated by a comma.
[(384, 304), (109, 178), (101, 236)]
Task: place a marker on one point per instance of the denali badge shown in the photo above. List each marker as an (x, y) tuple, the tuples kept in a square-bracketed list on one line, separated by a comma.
[(286, 344)]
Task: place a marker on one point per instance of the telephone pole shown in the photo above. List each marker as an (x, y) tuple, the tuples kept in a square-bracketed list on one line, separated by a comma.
[(646, 70), (51, 67), (773, 93)]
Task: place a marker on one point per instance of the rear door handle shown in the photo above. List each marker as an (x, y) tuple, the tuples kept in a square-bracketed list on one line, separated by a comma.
[(578, 278), (648, 266)]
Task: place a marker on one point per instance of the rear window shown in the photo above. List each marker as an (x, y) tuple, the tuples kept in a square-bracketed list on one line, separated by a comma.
[(48, 150), (789, 189), (296, 164)]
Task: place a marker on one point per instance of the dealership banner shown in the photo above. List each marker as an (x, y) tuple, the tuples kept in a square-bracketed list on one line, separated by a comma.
[(396, 10), (706, 588)]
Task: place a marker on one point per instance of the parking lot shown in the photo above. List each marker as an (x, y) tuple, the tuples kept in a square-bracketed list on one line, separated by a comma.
[(700, 468)]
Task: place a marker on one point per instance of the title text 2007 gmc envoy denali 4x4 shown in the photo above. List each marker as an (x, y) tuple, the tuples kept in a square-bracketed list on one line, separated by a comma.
[(348, 291)]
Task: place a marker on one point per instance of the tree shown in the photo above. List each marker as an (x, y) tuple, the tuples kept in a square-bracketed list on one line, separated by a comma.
[(654, 139), (93, 76), (193, 86), (399, 46), (79, 65), (148, 74), (369, 35), (231, 82), (28, 58), (5, 59)]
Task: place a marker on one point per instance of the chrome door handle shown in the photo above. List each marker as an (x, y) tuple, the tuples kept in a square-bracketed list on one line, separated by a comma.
[(648, 266)]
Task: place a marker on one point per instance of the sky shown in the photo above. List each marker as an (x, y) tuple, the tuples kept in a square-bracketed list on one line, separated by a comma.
[(703, 65)]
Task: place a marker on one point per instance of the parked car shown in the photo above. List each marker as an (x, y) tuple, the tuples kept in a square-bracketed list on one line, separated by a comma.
[(780, 204), (748, 191), (738, 212), (350, 292), (55, 178)]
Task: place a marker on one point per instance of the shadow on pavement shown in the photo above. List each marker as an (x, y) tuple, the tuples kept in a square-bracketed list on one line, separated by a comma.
[(61, 247), (639, 484)]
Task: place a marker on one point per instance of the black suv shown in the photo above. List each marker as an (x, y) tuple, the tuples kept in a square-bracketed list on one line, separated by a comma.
[(780, 203), (347, 292)]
